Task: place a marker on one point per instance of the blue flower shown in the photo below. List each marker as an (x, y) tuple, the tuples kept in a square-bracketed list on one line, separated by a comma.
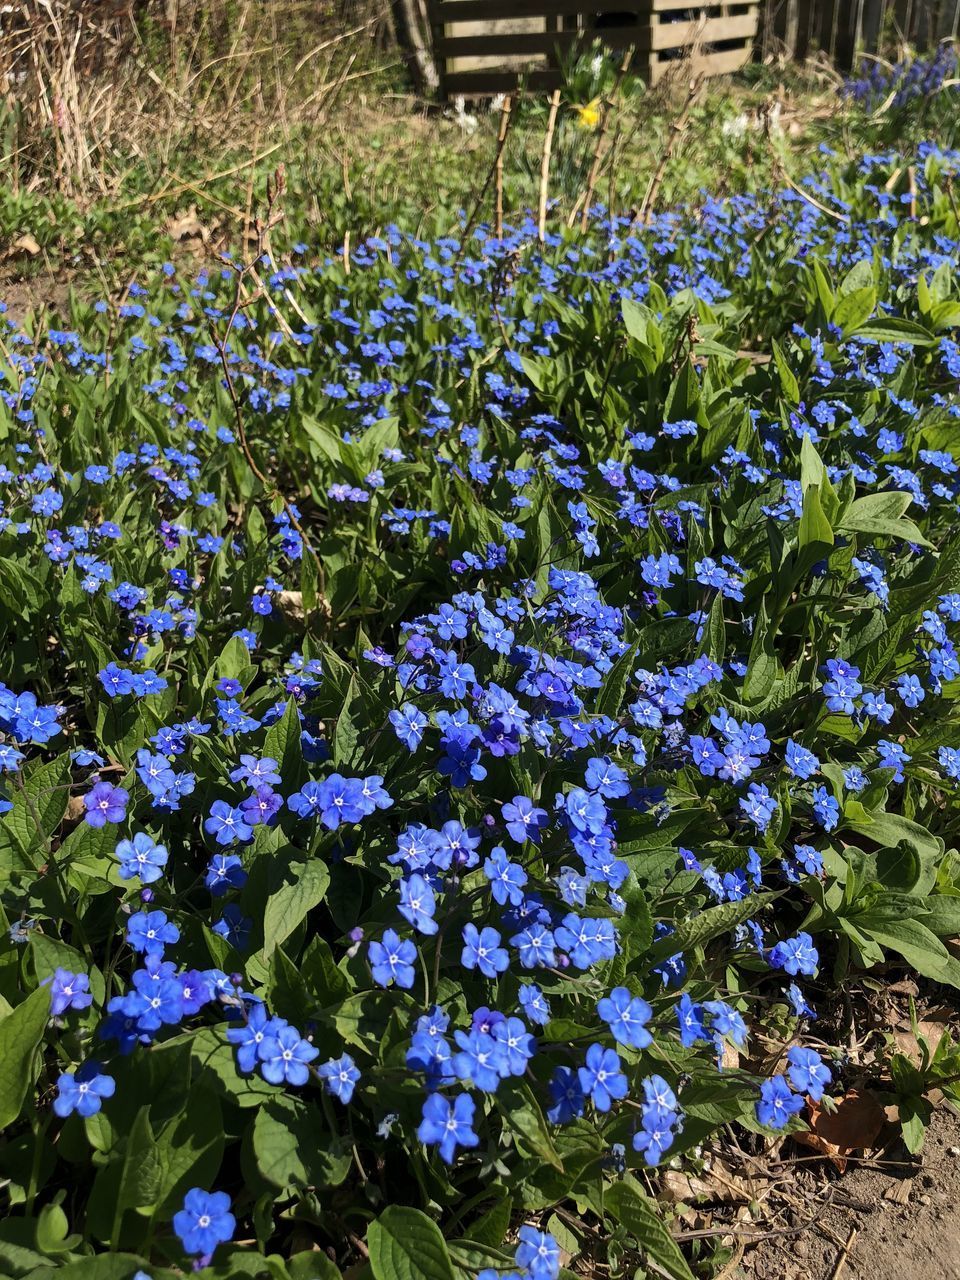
[(448, 1124), (141, 857), (408, 724), (480, 1059), (83, 1091), (795, 955), (248, 1038), (534, 1004), (842, 686), (539, 1253), (826, 809), (151, 931), (227, 824), (601, 1078), (690, 1021), (802, 763), (482, 950), (524, 821), (340, 800), (777, 1104), (104, 804), (418, 904), (569, 1100), (807, 1071), (627, 1016), (224, 872), (506, 878), (69, 991), (340, 1076), (204, 1221), (392, 960), (283, 1056)]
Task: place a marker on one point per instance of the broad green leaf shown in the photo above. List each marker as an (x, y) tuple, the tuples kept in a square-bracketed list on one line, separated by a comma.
[(920, 947), (610, 698), (405, 1244), (643, 1219), (522, 1114), (709, 924), (293, 1148), (282, 742), (304, 885), (893, 330), (38, 806), (815, 528), (21, 1032)]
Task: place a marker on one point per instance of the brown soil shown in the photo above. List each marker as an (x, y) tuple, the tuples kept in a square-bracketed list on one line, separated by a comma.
[(880, 1221)]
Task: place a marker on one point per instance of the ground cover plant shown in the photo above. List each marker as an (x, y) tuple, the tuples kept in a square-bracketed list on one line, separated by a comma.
[(467, 707)]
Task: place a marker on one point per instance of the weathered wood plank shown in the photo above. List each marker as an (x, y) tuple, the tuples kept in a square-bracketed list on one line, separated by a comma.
[(516, 44)]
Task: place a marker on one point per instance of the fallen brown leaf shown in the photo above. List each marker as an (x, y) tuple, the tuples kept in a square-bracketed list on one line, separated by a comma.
[(853, 1126), (932, 1028)]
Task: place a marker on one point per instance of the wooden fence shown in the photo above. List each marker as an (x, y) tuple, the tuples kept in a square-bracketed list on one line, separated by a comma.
[(843, 28), (483, 46)]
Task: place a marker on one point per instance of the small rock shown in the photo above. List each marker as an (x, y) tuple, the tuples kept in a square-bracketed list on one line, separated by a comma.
[(953, 1151), (925, 1199)]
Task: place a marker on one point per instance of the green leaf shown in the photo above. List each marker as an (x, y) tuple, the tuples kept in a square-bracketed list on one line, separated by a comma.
[(291, 1151), (788, 382), (815, 528), (894, 330), (635, 318), (860, 276), (943, 915), (921, 948), (522, 1114), (683, 398), (189, 1150), (282, 742), (20, 1034), (611, 695), (130, 1181), (105, 1266), (312, 1265), (890, 829), (899, 868), (709, 924), (855, 308), (304, 887), (643, 1219), (405, 1244), (39, 806), (714, 643)]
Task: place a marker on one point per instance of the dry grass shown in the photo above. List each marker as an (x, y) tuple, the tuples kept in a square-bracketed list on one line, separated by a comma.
[(88, 91)]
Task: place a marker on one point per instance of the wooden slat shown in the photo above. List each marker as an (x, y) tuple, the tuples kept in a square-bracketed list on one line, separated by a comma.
[(523, 43), (482, 10), (667, 35), (708, 64), (670, 6), (670, 35)]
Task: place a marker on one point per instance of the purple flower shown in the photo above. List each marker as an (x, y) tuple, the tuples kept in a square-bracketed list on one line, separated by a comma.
[(104, 804)]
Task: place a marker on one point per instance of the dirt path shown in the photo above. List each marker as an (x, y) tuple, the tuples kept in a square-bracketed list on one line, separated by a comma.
[(900, 1225)]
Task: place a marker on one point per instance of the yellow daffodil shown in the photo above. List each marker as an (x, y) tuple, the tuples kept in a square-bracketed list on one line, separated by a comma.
[(588, 114)]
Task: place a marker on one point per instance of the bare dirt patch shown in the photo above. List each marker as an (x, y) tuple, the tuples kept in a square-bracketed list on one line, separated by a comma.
[(893, 1218)]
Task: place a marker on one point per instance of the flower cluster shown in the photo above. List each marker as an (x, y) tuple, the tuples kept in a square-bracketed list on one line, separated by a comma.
[(473, 808)]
